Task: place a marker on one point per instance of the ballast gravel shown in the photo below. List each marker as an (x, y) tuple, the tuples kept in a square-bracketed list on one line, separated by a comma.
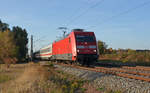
[(105, 81)]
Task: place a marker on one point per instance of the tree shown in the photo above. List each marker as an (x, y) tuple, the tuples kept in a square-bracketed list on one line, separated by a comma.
[(110, 50), (20, 36), (102, 47), (3, 26), (8, 50)]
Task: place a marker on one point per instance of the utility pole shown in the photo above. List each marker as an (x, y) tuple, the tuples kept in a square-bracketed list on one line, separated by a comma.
[(31, 53)]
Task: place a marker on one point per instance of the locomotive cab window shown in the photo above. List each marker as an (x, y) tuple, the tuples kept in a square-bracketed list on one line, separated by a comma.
[(82, 38)]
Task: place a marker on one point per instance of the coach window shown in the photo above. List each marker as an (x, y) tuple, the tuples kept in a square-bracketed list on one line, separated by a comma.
[(69, 40)]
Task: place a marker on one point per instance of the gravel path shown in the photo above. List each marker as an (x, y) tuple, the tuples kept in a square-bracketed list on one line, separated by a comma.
[(105, 81)]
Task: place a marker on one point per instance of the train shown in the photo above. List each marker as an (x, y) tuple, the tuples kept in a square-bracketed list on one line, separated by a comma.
[(78, 46)]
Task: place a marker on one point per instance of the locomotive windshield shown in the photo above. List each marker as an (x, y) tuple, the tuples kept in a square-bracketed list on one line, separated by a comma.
[(82, 38)]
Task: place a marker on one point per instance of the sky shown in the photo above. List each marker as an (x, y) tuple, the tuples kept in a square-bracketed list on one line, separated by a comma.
[(119, 23)]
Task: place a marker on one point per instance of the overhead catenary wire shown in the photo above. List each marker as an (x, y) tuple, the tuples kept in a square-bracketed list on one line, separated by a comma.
[(121, 13), (107, 19), (72, 15), (77, 10), (41, 38), (75, 18), (84, 12), (35, 41)]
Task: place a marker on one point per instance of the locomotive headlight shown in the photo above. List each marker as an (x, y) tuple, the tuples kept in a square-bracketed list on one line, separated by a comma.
[(92, 46), (80, 46), (77, 50), (94, 50)]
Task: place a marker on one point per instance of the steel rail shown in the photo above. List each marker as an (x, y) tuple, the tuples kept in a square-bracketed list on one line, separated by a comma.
[(125, 71), (138, 68), (114, 71)]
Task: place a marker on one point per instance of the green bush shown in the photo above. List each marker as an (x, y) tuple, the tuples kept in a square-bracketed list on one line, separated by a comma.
[(51, 64)]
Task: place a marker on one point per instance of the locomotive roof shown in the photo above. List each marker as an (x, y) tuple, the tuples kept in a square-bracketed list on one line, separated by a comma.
[(78, 30)]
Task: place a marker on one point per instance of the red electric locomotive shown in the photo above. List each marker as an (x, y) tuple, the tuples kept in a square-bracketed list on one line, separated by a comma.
[(78, 46)]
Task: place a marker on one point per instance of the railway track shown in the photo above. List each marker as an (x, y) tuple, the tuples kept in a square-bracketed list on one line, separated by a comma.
[(126, 72), (142, 68)]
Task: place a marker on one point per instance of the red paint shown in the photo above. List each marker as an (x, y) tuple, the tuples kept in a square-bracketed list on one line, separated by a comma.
[(66, 47), (69, 44)]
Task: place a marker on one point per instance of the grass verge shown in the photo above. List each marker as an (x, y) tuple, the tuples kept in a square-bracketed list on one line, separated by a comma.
[(4, 78)]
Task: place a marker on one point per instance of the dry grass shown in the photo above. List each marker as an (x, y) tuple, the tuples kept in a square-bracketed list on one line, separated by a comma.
[(90, 88), (7, 74), (34, 78), (30, 81)]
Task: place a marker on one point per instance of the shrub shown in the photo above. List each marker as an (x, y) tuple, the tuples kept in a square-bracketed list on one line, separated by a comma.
[(51, 64)]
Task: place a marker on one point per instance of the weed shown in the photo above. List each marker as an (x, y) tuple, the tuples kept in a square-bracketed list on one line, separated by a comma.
[(66, 82), (50, 80), (100, 89), (60, 71), (51, 64), (83, 90), (111, 91), (4, 78)]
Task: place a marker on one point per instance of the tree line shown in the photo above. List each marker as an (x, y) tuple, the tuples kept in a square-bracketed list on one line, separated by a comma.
[(123, 55), (13, 47), (13, 44)]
